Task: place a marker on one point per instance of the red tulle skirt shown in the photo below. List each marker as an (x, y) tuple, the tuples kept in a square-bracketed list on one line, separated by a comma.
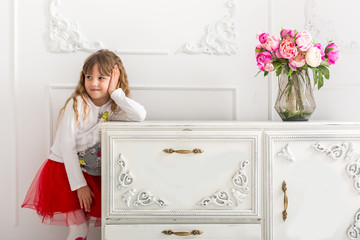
[(50, 195)]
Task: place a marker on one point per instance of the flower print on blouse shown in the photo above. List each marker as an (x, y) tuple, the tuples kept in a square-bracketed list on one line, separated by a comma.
[(90, 160)]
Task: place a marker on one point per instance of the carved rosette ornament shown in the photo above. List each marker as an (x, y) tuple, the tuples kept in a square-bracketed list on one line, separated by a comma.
[(65, 36), (220, 37), (126, 179), (223, 198)]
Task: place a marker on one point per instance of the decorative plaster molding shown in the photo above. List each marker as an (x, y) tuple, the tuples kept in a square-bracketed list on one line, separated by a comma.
[(222, 197), (353, 231), (220, 37), (286, 153), (321, 29), (65, 36)]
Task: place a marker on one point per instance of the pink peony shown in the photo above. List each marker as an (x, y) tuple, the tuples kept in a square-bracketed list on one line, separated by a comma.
[(332, 53), (288, 32), (268, 67), (278, 54), (304, 40), (298, 61), (272, 44), (318, 45), (287, 48), (313, 57), (263, 58), (262, 36)]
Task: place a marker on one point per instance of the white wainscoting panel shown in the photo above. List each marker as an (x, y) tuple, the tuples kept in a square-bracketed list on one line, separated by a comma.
[(164, 103), (187, 103)]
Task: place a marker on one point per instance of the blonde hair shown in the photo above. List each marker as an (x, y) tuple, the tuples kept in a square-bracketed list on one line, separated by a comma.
[(105, 60)]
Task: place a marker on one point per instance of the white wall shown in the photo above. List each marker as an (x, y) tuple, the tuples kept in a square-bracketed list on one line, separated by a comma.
[(40, 65)]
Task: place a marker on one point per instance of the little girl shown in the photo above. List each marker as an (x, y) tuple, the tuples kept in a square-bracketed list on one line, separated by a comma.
[(67, 188)]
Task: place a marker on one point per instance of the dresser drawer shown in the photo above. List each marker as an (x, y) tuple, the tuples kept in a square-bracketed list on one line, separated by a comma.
[(181, 173), (208, 232)]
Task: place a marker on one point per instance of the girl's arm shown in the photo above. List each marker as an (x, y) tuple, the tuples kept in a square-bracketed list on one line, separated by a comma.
[(67, 137), (130, 110), (65, 144)]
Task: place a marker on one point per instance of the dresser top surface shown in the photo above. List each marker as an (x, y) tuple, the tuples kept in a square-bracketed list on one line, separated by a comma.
[(304, 125)]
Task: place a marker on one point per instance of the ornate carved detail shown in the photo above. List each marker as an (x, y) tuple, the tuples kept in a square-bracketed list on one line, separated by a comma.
[(335, 151), (220, 37), (128, 196), (346, 150), (240, 178), (223, 198), (220, 198), (286, 153), (321, 29), (65, 36), (353, 231), (353, 168), (238, 195), (145, 198), (126, 177)]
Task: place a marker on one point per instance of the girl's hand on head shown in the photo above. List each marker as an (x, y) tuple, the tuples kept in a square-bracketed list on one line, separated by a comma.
[(85, 196), (114, 78)]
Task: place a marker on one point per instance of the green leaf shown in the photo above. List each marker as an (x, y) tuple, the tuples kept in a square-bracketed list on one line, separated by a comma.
[(290, 72), (324, 71), (316, 76), (266, 73), (324, 63), (257, 73), (278, 71), (321, 81), (276, 64)]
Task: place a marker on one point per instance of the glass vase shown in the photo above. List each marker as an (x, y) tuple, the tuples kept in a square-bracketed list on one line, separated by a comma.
[(295, 100)]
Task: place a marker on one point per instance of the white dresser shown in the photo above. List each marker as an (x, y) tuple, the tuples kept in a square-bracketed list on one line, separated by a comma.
[(231, 180)]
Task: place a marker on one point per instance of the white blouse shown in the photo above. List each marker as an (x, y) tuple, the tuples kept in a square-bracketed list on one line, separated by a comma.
[(72, 138)]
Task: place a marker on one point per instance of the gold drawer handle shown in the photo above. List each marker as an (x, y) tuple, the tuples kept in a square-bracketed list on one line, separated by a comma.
[(170, 151), (193, 232), (284, 213)]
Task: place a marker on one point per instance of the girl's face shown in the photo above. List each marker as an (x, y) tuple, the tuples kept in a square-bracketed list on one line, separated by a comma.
[(96, 86)]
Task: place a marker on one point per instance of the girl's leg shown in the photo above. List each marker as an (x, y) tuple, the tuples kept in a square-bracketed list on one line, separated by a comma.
[(78, 232)]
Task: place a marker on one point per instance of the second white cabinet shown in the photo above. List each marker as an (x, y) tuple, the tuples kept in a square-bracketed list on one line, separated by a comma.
[(313, 185)]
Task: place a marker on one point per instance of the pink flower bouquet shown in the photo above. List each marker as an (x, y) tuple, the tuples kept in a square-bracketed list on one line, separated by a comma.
[(294, 51)]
